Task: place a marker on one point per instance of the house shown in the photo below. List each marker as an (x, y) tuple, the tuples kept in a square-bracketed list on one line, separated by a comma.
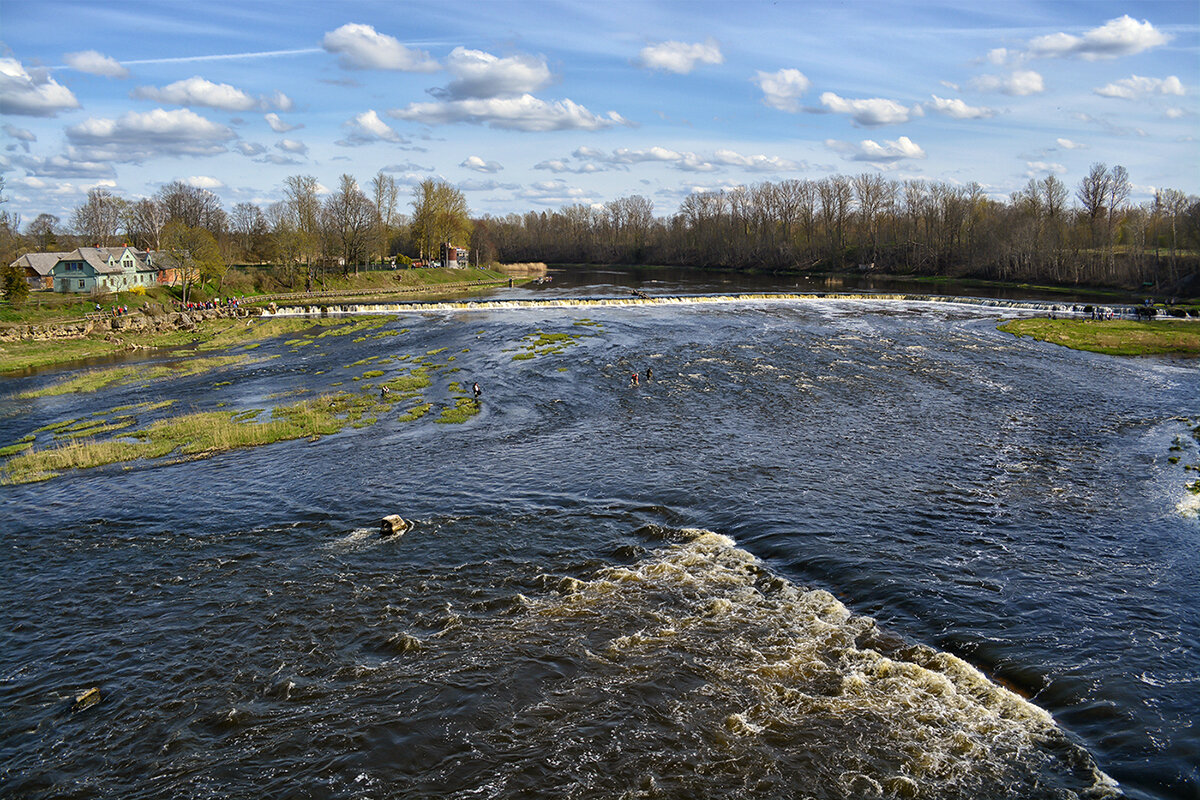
[(103, 269), (37, 268)]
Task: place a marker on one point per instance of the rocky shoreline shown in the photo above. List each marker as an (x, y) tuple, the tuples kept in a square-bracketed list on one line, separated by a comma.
[(148, 319)]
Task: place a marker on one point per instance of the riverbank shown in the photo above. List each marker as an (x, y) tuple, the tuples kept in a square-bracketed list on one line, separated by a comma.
[(58, 330), (1113, 337)]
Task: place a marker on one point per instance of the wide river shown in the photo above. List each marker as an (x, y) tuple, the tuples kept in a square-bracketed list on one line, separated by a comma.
[(830, 549)]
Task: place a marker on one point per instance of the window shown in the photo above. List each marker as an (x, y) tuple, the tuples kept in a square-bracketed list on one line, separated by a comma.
[(81, 283)]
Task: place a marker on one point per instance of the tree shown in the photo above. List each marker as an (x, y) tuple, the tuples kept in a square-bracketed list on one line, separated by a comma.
[(440, 216), (43, 230), (250, 232), (351, 216), (386, 194), (300, 197), (14, 285), (195, 253), (99, 218), (144, 221), (193, 206)]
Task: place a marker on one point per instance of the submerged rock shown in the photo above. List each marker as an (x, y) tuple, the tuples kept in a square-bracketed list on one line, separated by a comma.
[(86, 699)]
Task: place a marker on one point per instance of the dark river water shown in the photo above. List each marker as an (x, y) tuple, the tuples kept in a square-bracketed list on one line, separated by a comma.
[(831, 549)]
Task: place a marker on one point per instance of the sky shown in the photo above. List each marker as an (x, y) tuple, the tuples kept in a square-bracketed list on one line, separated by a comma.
[(539, 104)]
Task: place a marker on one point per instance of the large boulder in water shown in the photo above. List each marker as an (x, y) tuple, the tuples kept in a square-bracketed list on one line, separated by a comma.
[(393, 525)]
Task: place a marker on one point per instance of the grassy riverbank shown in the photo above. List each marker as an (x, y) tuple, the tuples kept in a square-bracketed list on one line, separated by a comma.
[(1113, 337), (45, 308)]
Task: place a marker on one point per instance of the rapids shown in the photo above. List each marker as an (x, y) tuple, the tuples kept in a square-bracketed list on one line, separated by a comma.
[(834, 548)]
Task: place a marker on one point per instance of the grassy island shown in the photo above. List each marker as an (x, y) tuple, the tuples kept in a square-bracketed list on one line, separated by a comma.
[(1113, 337)]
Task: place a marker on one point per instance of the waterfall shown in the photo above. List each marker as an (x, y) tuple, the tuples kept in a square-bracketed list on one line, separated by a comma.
[(1029, 306)]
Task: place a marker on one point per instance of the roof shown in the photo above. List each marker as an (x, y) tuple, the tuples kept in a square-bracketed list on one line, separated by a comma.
[(97, 257), (41, 263)]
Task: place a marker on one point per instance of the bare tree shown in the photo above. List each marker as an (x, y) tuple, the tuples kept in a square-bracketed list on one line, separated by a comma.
[(351, 215), (99, 218), (386, 194)]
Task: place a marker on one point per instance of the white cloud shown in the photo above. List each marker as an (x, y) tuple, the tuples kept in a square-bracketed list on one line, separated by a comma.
[(196, 91), (782, 89), (998, 56), (561, 165), (479, 165), (406, 167), (96, 63), (1067, 144), (278, 125), (623, 157), (1020, 83), (524, 113), (291, 146), (680, 57), (554, 193), (203, 182), (25, 137), (250, 148), (756, 163), (870, 112), (277, 160), (31, 93), (1175, 113), (482, 75), (1123, 36), (1035, 168), (876, 153), (1136, 87), (362, 47), (475, 185), (61, 167), (958, 109), (367, 128), (137, 136)]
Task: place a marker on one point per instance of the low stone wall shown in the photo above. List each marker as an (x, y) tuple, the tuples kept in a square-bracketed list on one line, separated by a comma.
[(150, 319)]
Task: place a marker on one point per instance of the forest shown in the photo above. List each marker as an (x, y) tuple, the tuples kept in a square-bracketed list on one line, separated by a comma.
[(1046, 232)]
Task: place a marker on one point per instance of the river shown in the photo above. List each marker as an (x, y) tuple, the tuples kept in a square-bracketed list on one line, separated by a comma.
[(829, 549)]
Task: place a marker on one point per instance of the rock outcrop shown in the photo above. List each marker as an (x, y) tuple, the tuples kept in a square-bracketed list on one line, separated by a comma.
[(149, 319)]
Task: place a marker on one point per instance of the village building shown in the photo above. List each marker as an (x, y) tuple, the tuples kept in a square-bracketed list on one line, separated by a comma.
[(106, 269), (37, 268)]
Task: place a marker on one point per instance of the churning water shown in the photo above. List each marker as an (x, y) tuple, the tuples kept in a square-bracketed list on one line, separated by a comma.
[(832, 549)]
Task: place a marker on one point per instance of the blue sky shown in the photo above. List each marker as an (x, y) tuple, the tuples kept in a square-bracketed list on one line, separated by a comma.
[(535, 105)]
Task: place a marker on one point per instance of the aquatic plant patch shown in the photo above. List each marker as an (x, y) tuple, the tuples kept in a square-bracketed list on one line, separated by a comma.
[(463, 409), (95, 380), (200, 435)]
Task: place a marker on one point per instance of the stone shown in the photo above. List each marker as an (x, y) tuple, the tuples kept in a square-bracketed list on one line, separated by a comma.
[(393, 525), (86, 699)]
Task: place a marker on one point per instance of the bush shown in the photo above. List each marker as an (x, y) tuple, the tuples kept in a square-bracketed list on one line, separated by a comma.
[(140, 291)]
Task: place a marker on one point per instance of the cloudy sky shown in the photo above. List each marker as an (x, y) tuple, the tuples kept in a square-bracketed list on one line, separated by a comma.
[(539, 104)]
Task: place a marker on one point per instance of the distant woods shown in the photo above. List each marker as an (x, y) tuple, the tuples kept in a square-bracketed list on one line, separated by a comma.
[(1044, 232), (1047, 231)]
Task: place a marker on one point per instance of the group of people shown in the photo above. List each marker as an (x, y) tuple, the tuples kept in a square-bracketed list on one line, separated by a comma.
[(229, 302), (117, 311), (633, 379)]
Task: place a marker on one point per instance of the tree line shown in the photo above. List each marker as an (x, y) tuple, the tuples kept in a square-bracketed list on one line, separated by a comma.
[(305, 235), (1045, 231)]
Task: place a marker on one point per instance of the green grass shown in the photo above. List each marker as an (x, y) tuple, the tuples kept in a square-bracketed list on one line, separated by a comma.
[(1113, 337), (199, 435), (464, 408), (416, 412), (95, 380)]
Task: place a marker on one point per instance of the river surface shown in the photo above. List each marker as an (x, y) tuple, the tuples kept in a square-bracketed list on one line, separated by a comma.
[(831, 549)]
